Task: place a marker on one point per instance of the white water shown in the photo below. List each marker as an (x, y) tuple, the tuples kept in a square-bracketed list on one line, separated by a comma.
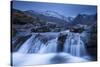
[(25, 47), (74, 45), (35, 52), (20, 59), (50, 48)]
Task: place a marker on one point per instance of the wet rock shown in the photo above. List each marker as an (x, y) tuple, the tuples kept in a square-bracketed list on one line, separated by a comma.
[(41, 29), (61, 41), (77, 30)]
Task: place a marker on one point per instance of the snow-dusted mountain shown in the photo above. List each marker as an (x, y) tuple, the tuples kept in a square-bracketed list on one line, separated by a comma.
[(49, 14), (54, 14)]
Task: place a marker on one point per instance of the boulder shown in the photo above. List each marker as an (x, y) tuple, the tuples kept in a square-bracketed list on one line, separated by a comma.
[(77, 30)]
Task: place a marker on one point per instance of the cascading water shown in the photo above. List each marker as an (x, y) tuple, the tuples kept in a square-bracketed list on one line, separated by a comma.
[(74, 45), (50, 48), (32, 45), (25, 47), (52, 51)]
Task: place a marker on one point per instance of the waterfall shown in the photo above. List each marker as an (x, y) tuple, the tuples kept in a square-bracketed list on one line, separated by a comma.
[(32, 45), (65, 47), (24, 48), (73, 45), (50, 48)]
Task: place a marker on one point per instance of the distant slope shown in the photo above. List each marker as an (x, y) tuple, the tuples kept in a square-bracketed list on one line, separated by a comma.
[(48, 17), (85, 19), (19, 17)]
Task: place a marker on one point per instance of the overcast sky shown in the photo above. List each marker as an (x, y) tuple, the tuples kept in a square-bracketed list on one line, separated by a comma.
[(63, 9)]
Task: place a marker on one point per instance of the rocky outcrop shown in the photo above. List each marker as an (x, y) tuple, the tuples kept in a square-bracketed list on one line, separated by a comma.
[(76, 29)]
